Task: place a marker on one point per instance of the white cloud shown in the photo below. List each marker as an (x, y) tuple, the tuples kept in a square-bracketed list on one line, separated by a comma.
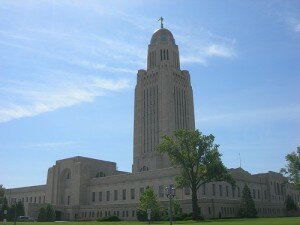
[(24, 99), (294, 24), (202, 46), (219, 51)]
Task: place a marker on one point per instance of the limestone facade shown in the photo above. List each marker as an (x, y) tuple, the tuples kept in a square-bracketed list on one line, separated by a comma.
[(81, 188)]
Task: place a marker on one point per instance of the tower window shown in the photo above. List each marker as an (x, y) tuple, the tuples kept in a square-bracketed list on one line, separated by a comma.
[(161, 55), (167, 54), (100, 174)]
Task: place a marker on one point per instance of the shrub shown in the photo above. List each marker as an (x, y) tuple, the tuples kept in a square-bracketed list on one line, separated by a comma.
[(109, 219)]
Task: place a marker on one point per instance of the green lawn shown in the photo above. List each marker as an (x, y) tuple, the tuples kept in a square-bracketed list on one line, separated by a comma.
[(258, 221)]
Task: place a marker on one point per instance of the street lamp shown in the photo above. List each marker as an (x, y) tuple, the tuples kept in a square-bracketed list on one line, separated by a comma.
[(170, 192)]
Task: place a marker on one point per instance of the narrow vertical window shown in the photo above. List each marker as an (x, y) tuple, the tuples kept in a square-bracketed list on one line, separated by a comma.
[(161, 55), (115, 195), (107, 195), (93, 196), (124, 194), (167, 54), (132, 193), (161, 191), (100, 196)]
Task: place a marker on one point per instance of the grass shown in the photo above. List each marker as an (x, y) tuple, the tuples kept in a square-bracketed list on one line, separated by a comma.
[(257, 221)]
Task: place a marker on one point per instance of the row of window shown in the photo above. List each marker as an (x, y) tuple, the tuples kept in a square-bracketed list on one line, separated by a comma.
[(256, 193), (35, 199), (278, 188), (270, 210), (115, 196), (164, 55), (125, 213), (150, 119), (100, 214), (180, 108)]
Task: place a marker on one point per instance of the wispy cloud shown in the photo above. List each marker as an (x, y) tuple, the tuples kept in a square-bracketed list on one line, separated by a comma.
[(294, 23), (202, 46), (50, 145), (255, 116), (220, 51), (25, 99)]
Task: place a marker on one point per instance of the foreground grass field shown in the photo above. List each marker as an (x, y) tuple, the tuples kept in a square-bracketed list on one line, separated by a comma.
[(258, 221)]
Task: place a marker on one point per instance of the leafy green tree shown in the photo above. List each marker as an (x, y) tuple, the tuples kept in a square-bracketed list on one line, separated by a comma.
[(290, 204), (247, 209), (176, 208), (20, 209), (42, 217), (198, 159), (148, 200), (292, 170), (50, 213), (4, 207), (2, 193)]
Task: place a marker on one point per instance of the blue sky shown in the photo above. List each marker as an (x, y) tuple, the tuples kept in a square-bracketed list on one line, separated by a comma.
[(68, 71)]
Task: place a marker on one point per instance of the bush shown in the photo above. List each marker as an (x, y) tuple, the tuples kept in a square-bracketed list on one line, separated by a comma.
[(143, 216), (290, 204), (42, 217), (109, 219)]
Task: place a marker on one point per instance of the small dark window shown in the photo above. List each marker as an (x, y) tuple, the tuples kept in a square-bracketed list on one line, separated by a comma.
[(93, 196), (107, 195), (132, 193), (124, 194), (115, 195)]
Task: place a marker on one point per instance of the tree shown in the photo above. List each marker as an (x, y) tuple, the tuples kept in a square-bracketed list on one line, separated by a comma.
[(290, 204), (198, 159), (42, 217), (247, 209), (2, 193), (50, 213), (3, 208), (148, 200), (2, 197), (20, 209), (292, 170)]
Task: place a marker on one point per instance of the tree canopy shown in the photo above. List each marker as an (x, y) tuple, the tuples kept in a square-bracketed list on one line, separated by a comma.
[(148, 200), (46, 214), (198, 159), (247, 209), (292, 169), (2, 193)]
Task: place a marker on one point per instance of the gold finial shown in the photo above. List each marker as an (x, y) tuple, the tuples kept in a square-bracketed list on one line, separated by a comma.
[(161, 22)]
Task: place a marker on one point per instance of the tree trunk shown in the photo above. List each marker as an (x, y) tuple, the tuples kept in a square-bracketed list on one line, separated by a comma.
[(195, 203)]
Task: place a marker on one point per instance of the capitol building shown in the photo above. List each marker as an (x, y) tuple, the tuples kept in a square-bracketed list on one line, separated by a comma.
[(81, 188)]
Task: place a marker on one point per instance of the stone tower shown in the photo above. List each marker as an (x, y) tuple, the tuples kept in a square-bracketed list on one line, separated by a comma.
[(163, 101)]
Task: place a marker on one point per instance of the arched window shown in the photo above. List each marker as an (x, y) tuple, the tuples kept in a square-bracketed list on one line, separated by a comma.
[(68, 176), (144, 168), (100, 174)]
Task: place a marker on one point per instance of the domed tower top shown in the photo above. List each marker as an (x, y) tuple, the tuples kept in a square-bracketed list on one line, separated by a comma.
[(162, 50), (162, 36)]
